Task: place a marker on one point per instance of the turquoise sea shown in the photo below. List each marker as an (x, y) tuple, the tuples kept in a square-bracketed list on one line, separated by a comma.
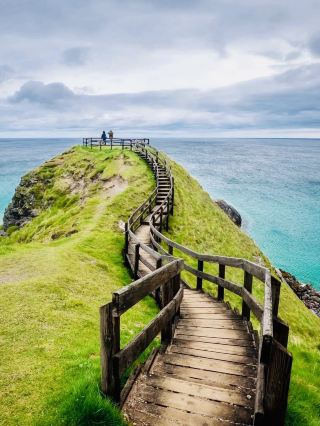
[(274, 184)]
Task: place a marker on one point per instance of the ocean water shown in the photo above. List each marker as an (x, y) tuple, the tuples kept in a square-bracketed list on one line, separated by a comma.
[(273, 183), (18, 156)]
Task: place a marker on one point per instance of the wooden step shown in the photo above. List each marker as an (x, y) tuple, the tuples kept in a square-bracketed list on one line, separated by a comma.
[(195, 404)]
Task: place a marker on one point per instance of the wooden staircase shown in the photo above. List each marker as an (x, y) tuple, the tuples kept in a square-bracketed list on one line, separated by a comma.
[(211, 368), (206, 375)]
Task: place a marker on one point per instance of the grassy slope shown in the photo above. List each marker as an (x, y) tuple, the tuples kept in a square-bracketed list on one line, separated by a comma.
[(49, 304), (50, 290), (198, 223)]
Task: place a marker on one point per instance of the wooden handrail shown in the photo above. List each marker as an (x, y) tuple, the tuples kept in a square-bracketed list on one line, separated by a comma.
[(273, 332), (266, 314), (115, 360)]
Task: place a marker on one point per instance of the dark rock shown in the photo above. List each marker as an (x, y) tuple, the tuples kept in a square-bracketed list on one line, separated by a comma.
[(73, 231), (25, 204), (305, 292), (230, 211)]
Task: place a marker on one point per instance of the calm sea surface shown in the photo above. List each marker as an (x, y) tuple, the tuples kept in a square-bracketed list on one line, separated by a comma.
[(274, 183)]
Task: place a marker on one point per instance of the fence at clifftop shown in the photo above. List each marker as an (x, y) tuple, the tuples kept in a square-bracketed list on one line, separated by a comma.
[(157, 272)]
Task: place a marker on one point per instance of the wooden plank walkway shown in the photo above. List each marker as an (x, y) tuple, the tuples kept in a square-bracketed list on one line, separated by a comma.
[(207, 374)]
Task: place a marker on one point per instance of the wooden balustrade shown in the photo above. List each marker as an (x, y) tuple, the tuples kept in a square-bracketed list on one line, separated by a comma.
[(114, 360), (274, 367), (274, 332)]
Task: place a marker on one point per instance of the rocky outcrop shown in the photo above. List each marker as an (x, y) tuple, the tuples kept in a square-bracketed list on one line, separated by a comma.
[(25, 204), (305, 292), (230, 211)]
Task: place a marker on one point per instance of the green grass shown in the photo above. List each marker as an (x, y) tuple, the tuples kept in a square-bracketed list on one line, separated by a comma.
[(54, 274), (201, 225), (58, 270)]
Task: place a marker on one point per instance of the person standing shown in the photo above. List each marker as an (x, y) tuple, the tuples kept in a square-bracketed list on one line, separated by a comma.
[(110, 134), (104, 137)]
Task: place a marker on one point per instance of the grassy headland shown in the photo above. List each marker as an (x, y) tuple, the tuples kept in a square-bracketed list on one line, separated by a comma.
[(58, 269), (55, 272), (201, 225)]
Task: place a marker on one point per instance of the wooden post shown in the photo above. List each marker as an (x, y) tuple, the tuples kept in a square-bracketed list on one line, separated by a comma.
[(136, 261), (275, 287), (166, 292), (172, 196), (126, 238), (167, 215), (222, 274), (160, 226), (247, 284), (158, 290), (110, 143), (280, 331), (100, 144), (110, 345), (278, 373), (199, 280)]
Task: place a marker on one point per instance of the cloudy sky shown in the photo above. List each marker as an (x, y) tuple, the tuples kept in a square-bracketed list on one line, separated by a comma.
[(160, 67)]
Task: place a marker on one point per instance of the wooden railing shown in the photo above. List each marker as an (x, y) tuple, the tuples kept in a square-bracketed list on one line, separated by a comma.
[(114, 142), (114, 360), (274, 361), (159, 215)]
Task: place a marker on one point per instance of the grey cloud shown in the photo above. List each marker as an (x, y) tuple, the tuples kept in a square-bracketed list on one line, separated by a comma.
[(38, 92), (286, 101), (314, 45), (6, 72), (75, 56)]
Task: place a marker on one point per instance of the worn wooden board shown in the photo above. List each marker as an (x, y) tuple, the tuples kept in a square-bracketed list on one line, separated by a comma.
[(195, 404), (209, 339), (212, 378), (241, 359), (215, 347), (209, 365), (213, 323), (148, 414), (212, 332), (174, 384)]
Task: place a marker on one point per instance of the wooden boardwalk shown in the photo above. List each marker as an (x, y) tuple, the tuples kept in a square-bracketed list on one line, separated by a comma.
[(206, 376), (211, 368)]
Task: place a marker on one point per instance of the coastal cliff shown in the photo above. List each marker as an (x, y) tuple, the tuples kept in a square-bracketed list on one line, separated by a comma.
[(230, 211), (63, 259)]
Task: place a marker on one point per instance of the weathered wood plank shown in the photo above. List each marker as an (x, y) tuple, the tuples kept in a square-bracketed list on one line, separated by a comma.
[(241, 359), (216, 347), (195, 404), (131, 352), (148, 414), (173, 384), (209, 339), (226, 316), (209, 365), (209, 323), (211, 378), (212, 332), (129, 295)]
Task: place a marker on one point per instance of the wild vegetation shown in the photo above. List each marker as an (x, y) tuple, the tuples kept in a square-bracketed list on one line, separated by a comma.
[(60, 267), (55, 272), (201, 225)]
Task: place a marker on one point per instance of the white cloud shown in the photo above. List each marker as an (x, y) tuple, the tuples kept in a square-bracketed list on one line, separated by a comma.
[(177, 54)]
